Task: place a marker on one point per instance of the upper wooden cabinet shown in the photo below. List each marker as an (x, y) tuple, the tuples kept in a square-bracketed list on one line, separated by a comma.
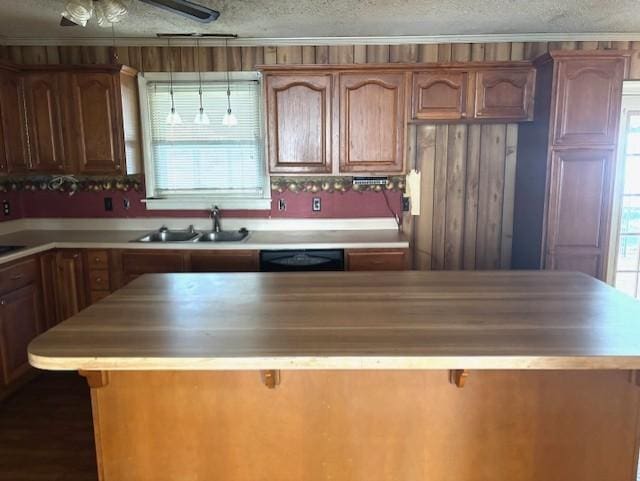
[(492, 93), (351, 119), (299, 123), (505, 94), (372, 122), (43, 99), (70, 120), (440, 95), (14, 157), (588, 100), (105, 120)]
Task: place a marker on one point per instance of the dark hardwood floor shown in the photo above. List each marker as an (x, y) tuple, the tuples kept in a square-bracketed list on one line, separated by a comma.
[(46, 432)]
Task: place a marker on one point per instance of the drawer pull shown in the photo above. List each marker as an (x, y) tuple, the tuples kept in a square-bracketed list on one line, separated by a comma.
[(98, 280), (3, 302), (97, 259), (17, 277)]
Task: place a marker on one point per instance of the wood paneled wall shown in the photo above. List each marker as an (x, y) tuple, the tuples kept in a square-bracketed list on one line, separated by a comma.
[(468, 171)]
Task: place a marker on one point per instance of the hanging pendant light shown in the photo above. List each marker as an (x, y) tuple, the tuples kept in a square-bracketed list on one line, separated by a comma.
[(174, 117), (201, 117), (229, 119)]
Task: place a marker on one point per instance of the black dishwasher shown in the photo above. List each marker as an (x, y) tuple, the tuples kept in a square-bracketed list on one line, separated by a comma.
[(302, 260)]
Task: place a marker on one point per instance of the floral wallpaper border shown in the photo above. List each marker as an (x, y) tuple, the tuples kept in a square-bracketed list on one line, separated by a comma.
[(70, 184), (331, 184)]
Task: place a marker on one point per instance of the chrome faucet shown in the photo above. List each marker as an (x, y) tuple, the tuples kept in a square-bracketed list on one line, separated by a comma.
[(215, 216)]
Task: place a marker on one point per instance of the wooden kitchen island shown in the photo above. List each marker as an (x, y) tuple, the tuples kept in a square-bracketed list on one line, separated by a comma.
[(407, 376)]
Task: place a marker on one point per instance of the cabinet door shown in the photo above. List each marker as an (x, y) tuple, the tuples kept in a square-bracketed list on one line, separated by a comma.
[(439, 95), (44, 118), (19, 321), (299, 123), (134, 263), (505, 94), (225, 261), (71, 287), (49, 274), (578, 210), (98, 133), (14, 156), (372, 122), (377, 260), (588, 101)]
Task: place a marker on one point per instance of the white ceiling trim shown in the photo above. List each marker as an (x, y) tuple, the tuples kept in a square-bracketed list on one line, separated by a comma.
[(384, 40)]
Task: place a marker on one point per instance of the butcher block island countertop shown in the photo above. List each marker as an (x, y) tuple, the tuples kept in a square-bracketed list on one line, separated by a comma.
[(402, 320), (349, 376)]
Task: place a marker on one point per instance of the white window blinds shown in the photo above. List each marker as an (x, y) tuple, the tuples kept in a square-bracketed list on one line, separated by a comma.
[(196, 160)]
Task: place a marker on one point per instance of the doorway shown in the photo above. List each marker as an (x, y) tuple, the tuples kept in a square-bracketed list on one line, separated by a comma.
[(624, 266)]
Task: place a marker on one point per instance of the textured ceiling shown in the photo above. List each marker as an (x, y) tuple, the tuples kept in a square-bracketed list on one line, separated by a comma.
[(346, 18)]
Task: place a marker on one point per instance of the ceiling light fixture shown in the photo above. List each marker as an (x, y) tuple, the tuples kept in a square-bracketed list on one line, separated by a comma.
[(174, 117), (229, 119), (201, 117)]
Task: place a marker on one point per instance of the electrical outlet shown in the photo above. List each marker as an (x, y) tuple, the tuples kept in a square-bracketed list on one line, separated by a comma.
[(6, 207), (108, 204), (316, 204), (406, 204), (282, 205), (126, 203)]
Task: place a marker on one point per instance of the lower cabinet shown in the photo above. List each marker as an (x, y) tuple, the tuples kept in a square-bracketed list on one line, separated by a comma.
[(225, 261), (132, 264), (377, 260), (20, 318), (63, 285), (70, 280), (20, 321)]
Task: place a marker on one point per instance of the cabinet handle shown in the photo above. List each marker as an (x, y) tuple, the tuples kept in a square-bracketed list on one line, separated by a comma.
[(98, 280), (17, 277), (3, 302), (97, 259), (75, 256)]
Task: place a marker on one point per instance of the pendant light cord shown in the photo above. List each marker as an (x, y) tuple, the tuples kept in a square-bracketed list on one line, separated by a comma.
[(173, 107), (199, 72), (226, 52)]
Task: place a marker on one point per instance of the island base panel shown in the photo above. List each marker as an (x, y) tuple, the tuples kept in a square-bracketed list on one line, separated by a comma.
[(366, 426)]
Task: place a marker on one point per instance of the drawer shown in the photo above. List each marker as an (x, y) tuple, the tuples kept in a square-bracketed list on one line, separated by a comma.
[(99, 280), (377, 260), (98, 259), (98, 295), (18, 275)]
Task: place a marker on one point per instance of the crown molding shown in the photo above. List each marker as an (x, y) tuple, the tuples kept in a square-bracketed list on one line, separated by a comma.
[(280, 41)]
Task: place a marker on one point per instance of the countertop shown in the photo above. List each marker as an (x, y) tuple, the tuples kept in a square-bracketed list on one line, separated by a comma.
[(351, 320), (41, 240)]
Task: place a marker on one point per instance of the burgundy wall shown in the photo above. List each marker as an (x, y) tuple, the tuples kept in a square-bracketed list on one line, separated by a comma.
[(91, 205)]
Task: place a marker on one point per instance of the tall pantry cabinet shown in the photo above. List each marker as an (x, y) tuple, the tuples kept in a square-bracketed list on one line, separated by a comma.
[(566, 157)]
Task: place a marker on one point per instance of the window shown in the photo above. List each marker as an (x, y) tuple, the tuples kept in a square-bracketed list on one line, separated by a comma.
[(627, 257), (190, 165)]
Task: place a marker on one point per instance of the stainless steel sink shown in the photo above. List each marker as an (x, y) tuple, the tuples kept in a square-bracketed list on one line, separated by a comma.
[(223, 236), (164, 234)]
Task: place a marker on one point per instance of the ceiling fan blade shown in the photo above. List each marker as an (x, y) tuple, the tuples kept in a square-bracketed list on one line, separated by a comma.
[(65, 22), (187, 9)]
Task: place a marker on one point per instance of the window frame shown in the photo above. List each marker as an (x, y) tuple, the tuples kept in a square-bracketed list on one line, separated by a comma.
[(195, 201)]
